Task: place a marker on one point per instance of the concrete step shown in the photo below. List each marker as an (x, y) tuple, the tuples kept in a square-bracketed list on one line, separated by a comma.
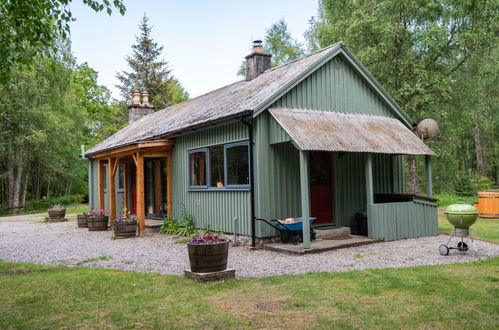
[(153, 226), (331, 231)]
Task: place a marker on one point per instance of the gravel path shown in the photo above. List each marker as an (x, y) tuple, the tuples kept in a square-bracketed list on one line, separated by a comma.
[(65, 244)]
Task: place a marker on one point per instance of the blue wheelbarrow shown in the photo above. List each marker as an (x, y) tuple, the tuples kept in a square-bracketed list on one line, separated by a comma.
[(290, 232)]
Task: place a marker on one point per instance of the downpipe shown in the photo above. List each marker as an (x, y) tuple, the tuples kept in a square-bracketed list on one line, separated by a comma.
[(252, 186)]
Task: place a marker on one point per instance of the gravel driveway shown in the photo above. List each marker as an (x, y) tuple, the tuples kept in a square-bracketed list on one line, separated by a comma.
[(65, 244)]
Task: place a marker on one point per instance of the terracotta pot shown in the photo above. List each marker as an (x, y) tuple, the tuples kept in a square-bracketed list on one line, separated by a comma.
[(207, 258)]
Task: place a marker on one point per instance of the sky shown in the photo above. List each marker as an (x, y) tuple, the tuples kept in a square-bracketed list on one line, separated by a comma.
[(204, 41)]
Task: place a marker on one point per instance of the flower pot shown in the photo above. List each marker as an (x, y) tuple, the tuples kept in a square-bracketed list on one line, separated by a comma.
[(125, 230), (82, 220), (97, 222), (207, 258), (56, 214)]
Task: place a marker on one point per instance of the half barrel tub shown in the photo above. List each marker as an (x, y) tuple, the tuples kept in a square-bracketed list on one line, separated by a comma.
[(488, 204)]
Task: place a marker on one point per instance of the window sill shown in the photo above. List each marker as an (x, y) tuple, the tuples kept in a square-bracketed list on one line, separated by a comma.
[(217, 189)]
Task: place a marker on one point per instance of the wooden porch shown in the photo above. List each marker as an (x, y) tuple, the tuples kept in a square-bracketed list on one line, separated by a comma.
[(133, 154)]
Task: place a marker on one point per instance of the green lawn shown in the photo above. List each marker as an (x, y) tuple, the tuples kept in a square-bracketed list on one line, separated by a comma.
[(70, 209), (36, 296)]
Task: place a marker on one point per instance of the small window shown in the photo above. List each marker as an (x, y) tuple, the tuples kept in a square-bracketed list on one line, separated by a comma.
[(197, 168), (217, 166), (237, 160)]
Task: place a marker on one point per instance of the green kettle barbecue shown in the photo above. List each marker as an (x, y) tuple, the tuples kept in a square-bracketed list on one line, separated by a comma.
[(462, 216)]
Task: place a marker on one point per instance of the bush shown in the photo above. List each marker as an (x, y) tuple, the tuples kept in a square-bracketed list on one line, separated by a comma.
[(468, 185)]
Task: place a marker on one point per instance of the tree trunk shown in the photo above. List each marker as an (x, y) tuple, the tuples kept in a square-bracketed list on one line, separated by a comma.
[(38, 181), (413, 175), (10, 171), (480, 157), (48, 189), (17, 182), (25, 190)]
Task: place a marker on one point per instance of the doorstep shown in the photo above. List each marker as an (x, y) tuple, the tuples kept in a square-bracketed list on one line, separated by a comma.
[(321, 245), (153, 225)]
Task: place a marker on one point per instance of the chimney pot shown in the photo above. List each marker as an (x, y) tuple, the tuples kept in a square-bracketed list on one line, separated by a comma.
[(136, 97), (145, 98)]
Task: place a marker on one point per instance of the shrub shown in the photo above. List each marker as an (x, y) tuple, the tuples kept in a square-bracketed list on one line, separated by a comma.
[(463, 184)]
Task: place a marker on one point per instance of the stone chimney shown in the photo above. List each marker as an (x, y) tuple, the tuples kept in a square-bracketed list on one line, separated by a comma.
[(137, 110), (257, 62)]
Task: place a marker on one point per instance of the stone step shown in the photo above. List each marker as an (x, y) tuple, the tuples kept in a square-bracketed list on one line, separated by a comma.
[(153, 226), (330, 231)]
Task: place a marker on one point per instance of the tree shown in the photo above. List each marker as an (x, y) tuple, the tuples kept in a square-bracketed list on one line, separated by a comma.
[(412, 48), (29, 27), (149, 72), (279, 42)]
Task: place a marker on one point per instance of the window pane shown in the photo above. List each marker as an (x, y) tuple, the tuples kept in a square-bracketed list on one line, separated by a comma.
[(121, 176), (197, 169), (237, 163), (217, 166)]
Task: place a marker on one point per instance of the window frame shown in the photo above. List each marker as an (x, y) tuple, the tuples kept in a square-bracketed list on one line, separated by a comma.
[(226, 167), (226, 187), (206, 168)]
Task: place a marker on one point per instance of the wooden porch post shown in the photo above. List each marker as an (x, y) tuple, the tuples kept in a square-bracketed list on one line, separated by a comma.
[(169, 183), (100, 175), (369, 179), (111, 188), (305, 198), (141, 212), (429, 180)]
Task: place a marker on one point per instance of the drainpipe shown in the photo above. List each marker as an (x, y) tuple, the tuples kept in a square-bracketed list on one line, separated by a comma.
[(252, 186)]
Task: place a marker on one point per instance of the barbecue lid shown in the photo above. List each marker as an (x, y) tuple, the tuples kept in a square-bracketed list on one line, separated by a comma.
[(461, 208)]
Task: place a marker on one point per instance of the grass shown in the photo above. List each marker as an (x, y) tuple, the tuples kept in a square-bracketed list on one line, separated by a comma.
[(70, 209), (446, 199), (37, 296)]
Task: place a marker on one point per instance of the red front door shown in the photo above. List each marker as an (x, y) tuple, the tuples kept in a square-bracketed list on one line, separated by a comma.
[(321, 190)]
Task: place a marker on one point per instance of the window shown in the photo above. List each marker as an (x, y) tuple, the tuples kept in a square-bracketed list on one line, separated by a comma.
[(236, 156), (221, 167), (197, 168)]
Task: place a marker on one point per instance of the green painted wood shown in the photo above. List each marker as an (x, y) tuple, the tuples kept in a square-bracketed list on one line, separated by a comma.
[(305, 197), (369, 179), (428, 176), (276, 133), (92, 183), (336, 86), (210, 209), (393, 221)]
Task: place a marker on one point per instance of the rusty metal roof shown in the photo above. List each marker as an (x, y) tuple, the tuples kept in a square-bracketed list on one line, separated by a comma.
[(332, 131), (226, 102)]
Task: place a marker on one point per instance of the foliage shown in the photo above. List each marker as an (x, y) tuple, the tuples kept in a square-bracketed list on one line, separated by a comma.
[(149, 72), (278, 42), (99, 213), (466, 184), (57, 207), (31, 27), (41, 296), (207, 240), (170, 226), (126, 218)]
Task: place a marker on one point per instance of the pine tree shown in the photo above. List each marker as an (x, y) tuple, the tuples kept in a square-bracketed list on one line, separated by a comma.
[(149, 72)]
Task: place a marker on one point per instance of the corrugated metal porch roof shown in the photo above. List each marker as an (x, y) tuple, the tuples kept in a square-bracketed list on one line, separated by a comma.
[(332, 131)]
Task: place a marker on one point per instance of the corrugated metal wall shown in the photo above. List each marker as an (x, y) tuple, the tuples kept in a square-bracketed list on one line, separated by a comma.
[(93, 194), (335, 87), (212, 209), (392, 221)]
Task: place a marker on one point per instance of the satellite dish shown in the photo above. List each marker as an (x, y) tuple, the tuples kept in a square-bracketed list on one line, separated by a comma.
[(427, 129)]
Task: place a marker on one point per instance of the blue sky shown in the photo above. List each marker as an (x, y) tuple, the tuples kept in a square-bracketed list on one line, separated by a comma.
[(204, 41)]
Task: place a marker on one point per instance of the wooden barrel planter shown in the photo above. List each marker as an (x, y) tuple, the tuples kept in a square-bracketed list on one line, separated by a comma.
[(125, 230), (207, 258), (488, 204), (56, 214), (82, 220), (97, 222)]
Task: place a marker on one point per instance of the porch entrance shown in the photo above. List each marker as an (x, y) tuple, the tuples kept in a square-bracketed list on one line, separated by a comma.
[(321, 187), (155, 187)]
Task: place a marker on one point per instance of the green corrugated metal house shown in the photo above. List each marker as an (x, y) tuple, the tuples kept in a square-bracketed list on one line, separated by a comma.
[(315, 137)]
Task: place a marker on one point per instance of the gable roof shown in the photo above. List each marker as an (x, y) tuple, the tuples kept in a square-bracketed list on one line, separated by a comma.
[(234, 100)]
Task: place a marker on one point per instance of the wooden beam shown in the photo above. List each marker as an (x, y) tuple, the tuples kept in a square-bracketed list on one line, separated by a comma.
[(165, 143), (155, 154), (135, 159), (169, 184), (115, 166), (428, 176), (130, 149), (111, 189), (100, 185), (305, 198), (140, 191), (125, 186)]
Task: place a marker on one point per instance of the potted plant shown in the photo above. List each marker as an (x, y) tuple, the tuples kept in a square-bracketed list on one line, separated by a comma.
[(57, 213), (97, 220), (125, 225), (82, 219), (208, 253)]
